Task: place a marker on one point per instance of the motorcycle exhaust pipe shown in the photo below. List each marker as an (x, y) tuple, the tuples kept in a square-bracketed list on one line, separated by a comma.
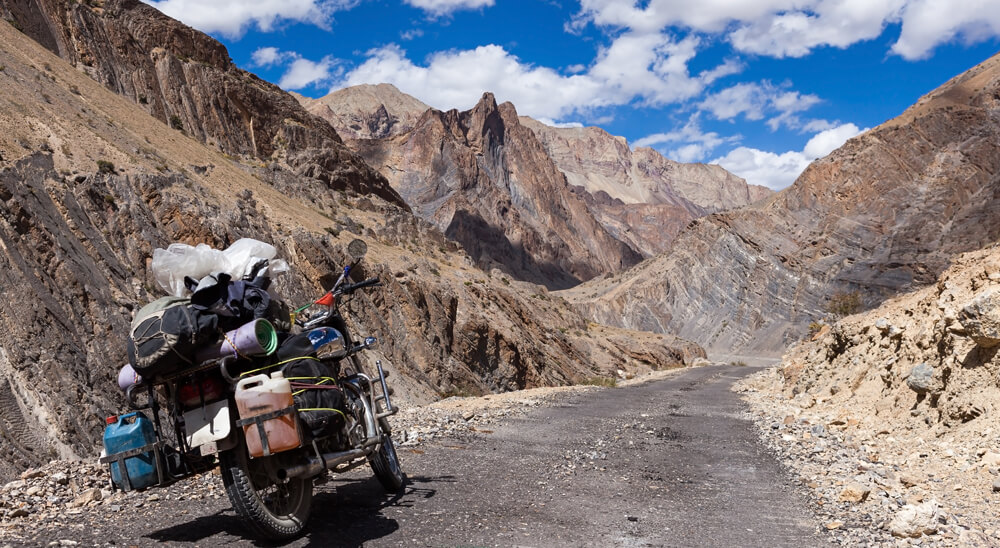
[(315, 465)]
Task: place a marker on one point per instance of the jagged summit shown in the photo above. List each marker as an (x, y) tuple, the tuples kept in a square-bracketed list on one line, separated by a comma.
[(486, 181)]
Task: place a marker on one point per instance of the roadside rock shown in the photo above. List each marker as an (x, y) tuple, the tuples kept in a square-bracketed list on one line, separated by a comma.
[(914, 521), (921, 378), (854, 493), (981, 319)]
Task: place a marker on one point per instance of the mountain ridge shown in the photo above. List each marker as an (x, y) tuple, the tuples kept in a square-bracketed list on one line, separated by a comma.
[(881, 215)]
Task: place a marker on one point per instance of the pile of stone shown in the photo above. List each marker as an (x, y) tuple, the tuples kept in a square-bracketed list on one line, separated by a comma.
[(462, 415), (874, 489)]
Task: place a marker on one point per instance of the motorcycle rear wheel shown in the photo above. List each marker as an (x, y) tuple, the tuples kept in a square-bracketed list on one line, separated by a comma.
[(271, 510)]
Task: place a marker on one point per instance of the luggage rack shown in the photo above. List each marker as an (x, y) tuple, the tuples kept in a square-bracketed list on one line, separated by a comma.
[(168, 470), (156, 447)]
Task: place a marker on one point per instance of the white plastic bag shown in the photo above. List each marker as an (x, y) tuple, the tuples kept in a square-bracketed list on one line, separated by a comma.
[(172, 264)]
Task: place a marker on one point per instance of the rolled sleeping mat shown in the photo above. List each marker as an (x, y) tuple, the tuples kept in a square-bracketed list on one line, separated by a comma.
[(256, 338), (128, 377)]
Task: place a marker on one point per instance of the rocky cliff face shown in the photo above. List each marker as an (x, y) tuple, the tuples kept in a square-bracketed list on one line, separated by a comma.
[(641, 197), (486, 181), (187, 80), (600, 162), (367, 111), (883, 214), (90, 184)]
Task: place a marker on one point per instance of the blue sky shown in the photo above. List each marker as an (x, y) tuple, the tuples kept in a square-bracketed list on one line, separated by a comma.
[(760, 86)]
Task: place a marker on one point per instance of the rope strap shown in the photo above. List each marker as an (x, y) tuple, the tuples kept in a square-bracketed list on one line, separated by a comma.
[(259, 420)]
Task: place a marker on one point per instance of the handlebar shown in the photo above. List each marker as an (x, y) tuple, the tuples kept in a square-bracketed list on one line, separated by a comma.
[(329, 300), (347, 289)]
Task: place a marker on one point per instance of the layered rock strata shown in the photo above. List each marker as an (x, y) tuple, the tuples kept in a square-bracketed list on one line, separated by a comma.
[(186, 79), (486, 182), (883, 214)]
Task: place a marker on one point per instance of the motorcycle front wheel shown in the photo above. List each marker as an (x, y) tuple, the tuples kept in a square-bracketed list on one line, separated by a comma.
[(272, 510), (385, 464)]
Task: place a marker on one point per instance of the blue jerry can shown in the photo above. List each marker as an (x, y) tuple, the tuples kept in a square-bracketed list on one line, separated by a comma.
[(132, 431)]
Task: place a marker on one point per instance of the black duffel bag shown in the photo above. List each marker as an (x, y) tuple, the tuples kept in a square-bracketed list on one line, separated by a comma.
[(165, 335), (317, 396)]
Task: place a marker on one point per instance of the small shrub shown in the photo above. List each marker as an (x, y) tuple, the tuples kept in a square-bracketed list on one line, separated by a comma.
[(104, 166), (738, 363), (176, 123), (814, 328), (844, 303), (468, 283), (74, 89), (607, 382), (505, 281), (142, 99)]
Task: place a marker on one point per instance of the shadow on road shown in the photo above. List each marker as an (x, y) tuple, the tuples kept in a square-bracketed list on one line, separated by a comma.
[(345, 513)]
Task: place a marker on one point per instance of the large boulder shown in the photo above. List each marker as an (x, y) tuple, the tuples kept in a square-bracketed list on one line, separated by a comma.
[(916, 520), (921, 378), (981, 318)]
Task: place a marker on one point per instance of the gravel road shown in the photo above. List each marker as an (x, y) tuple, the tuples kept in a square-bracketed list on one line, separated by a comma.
[(674, 462)]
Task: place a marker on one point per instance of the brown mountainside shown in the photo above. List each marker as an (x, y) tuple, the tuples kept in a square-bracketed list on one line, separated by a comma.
[(883, 214), (186, 79), (639, 196), (487, 182), (598, 161), (367, 111), (77, 237)]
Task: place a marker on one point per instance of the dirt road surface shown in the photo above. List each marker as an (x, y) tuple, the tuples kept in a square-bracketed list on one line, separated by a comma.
[(674, 462)]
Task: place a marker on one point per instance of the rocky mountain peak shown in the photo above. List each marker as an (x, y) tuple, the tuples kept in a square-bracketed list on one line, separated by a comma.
[(367, 111)]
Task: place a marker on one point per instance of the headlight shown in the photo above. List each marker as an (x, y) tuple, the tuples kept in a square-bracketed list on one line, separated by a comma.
[(328, 343)]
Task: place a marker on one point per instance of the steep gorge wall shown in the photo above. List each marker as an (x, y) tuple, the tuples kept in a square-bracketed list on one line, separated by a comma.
[(186, 79), (486, 182), (883, 214)]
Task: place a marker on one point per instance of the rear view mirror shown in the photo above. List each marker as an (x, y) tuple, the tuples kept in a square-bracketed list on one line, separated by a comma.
[(356, 249)]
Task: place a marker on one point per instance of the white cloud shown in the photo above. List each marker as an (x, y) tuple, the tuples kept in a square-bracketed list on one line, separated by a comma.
[(268, 57), (928, 23), (827, 141), (691, 143), (747, 99), (755, 101), (552, 123), (793, 28), (837, 23), (758, 167), (437, 8), (411, 34), (649, 69), (777, 171), (303, 73), (232, 18)]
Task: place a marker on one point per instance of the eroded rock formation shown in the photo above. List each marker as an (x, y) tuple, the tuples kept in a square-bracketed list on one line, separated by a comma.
[(186, 79), (883, 214), (487, 182)]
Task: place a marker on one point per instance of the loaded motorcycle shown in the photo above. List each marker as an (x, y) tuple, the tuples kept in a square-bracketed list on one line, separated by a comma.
[(274, 424)]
